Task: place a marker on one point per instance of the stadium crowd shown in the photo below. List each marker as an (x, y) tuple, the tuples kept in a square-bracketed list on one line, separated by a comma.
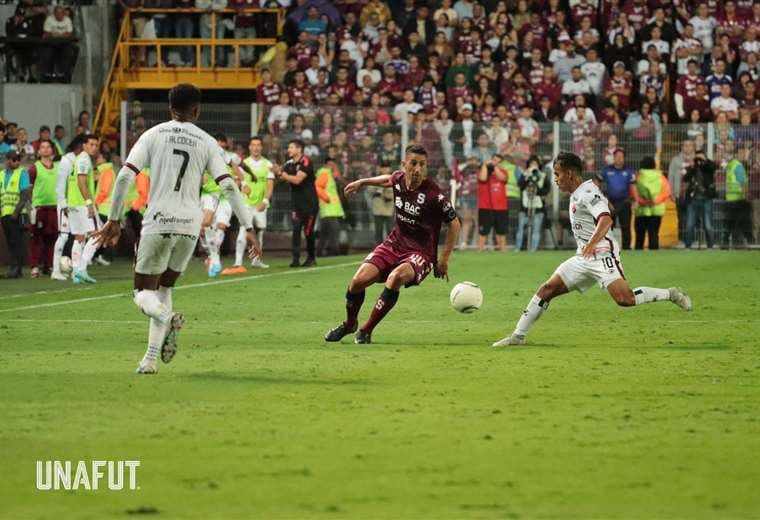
[(40, 44)]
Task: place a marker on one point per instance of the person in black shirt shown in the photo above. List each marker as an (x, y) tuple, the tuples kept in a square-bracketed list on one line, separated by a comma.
[(298, 171)]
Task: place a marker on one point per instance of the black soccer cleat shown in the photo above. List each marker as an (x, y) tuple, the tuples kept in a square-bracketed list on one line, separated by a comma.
[(295, 263), (339, 332), (310, 262), (363, 338)]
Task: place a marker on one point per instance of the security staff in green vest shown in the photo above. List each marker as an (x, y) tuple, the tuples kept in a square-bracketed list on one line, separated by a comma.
[(257, 187), (737, 209), (330, 209), (43, 176), (650, 193), (15, 193), (513, 182)]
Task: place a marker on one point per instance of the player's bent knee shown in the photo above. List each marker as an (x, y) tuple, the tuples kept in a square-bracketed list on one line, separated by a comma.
[(625, 299)]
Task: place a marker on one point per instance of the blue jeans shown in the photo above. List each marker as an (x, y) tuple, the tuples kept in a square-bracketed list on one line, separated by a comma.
[(206, 33), (535, 234), (699, 209), (184, 27)]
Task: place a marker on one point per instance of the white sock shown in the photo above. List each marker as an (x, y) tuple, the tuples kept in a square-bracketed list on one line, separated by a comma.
[(150, 304), (157, 330), (60, 243), (76, 254), (88, 252), (651, 295), (240, 247), (536, 308), (260, 238), (217, 245)]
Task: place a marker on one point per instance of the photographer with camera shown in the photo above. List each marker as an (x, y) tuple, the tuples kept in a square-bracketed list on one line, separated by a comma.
[(534, 186), (493, 205), (700, 193)]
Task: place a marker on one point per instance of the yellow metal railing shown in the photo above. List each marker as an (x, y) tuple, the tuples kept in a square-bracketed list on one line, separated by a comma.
[(125, 74)]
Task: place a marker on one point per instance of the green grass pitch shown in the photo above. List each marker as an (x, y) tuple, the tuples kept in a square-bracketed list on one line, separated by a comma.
[(647, 412)]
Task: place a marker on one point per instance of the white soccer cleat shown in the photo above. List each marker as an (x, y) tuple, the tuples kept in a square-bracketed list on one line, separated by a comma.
[(511, 340), (102, 261), (147, 367), (680, 298), (257, 263), (58, 276), (169, 347)]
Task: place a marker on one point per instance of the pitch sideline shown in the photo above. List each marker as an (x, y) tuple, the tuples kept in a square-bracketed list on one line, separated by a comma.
[(182, 287)]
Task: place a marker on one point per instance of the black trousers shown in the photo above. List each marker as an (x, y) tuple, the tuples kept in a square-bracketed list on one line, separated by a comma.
[(304, 222), (623, 218), (329, 235), (13, 230), (648, 226), (738, 222)]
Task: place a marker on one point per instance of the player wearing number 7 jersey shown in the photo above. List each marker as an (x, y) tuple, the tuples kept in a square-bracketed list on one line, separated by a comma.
[(597, 259), (411, 250), (177, 153)]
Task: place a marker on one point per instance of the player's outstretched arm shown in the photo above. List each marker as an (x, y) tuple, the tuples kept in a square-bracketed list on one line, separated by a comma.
[(452, 238), (384, 181)]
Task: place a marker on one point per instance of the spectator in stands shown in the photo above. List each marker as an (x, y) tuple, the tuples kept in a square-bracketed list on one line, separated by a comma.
[(15, 195), (184, 27), (245, 28), (492, 203), (57, 59), (22, 146), (206, 30), (725, 104), (59, 138), (44, 135), (617, 180), (4, 146), (312, 24), (83, 120), (650, 192), (21, 54), (700, 193)]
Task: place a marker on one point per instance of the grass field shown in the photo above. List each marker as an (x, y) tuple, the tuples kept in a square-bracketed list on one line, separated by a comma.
[(647, 412)]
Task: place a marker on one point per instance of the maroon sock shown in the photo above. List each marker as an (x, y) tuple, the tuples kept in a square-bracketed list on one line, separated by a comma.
[(385, 303), (353, 305)]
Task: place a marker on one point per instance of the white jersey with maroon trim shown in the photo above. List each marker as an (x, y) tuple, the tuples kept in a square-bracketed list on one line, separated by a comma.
[(587, 204), (177, 154)]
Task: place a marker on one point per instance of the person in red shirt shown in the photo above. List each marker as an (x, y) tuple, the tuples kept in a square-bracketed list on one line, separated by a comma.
[(493, 205), (299, 88), (637, 12), (686, 89), (619, 84), (343, 87), (268, 92), (44, 136), (550, 88), (582, 9), (459, 90), (302, 51), (390, 85)]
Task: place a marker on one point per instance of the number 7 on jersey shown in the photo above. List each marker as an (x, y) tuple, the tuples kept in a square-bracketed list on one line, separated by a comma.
[(185, 160)]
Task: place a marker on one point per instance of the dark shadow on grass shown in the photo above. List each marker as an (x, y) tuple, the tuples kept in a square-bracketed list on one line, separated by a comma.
[(706, 346), (272, 380)]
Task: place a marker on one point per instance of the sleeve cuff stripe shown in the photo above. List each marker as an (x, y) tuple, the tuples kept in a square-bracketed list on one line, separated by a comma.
[(132, 167), (222, 177)]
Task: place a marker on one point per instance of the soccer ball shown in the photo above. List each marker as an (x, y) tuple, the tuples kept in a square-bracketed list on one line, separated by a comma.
[(65, 265), (466, 297)]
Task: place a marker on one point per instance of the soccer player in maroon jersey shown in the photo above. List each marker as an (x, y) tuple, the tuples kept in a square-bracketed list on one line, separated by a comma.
[(411, 250)]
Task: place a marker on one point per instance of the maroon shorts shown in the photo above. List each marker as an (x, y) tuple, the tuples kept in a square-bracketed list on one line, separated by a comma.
[(386, 259)]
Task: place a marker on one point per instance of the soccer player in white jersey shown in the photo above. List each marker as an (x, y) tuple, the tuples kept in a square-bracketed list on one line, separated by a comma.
[(64, 170), (177, 152), (223, 215), (82, 214), (597, 258)]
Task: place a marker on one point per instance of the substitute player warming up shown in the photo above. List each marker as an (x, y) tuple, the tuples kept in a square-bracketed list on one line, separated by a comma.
[(411, 250), (177, 153), (597, 258)]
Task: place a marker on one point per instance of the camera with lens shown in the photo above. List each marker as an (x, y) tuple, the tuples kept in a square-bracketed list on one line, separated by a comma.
[(533, 177)]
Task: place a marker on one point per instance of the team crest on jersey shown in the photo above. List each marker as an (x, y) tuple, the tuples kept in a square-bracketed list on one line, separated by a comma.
[(399, 204), (572, 208)]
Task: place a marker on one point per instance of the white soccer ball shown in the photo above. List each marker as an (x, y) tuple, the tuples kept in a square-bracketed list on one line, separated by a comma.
[(466, 297), (65, 265)]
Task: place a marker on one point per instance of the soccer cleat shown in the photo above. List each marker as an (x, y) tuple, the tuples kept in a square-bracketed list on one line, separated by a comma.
[(214, 270), (339, 332), (147, 367), (83, 277), (169, 347), (680, 298), (310, 262), (58, 276), (363, 338), (102, 261), (239, 269), (257, 263), (295, 263), (512, 339), (35, 272)]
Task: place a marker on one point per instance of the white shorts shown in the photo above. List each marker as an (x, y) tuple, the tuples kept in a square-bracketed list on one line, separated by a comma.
[(259, 218), (223, 213), (158, 252), (209, 202), (63, 221), (80, 223), (580, 273)]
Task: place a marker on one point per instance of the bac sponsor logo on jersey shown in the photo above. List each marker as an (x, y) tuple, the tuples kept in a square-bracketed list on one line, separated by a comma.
[(87, 475)]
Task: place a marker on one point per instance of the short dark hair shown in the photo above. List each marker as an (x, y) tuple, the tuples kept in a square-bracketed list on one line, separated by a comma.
[(59, 126), (44, 128), (76, 142), (184, 97), (220, 137), (255, 138), (87, 136), (415, 148), (569, 161), (647, 163), (296, 142)]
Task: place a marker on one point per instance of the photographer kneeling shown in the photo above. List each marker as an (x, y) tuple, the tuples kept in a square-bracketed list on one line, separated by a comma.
[(534, 186)]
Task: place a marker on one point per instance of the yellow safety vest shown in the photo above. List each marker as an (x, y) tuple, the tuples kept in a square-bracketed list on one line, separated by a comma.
[(649, 185), (43, 193), (734, 188), (11, 195), (333, 208)]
